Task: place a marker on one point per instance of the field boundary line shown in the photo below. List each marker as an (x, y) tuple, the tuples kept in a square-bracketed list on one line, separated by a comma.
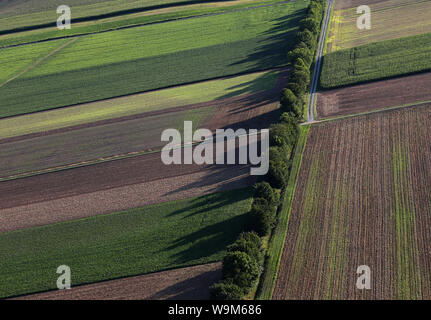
[(86, 163), (38, 62), (384, 109), (278, 237), (108, 280), (239, 74)]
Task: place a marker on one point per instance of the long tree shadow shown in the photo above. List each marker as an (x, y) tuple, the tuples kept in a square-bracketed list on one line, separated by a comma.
[(209, 240), (195, 288), (218, 200), (275, 43)]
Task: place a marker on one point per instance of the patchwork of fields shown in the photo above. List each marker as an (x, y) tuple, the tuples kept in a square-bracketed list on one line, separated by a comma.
[(134, 60), (174, 234), (81, 117), (81, 179), (363, 190), (362, 199)]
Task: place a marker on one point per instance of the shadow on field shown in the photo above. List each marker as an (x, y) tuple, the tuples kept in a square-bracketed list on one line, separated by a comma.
[(219, 200), (274, 46), (196, 288), (209, 240)]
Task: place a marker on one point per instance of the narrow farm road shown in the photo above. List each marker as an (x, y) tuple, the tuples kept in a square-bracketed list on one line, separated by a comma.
[(322, 39)]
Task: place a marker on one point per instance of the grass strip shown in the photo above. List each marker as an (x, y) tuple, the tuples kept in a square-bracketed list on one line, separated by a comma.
[(276, 243)]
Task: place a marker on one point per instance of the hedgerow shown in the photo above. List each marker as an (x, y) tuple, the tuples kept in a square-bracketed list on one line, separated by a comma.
[(239, 265)]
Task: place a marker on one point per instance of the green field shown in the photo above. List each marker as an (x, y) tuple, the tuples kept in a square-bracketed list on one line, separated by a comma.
[(377, 60), (135, 60), (14, 61), (138, 241), (129, 20), (139, 103), (20, 13)]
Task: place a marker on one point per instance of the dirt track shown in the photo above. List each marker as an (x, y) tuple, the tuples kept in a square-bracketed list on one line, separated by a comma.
[(189, 283), (374, 95)]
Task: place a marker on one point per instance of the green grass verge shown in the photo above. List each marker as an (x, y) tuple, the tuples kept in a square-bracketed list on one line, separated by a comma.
[(131, 61), (375, 61), (276, 243), (149, 239), (124, 22)]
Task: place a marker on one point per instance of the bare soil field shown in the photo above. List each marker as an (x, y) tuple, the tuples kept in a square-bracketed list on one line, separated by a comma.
[(390, 19), (191, 283), (363, 198), (374, 96), (108, 187)]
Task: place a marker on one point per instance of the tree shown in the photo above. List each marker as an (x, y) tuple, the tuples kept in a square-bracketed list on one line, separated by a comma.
[(278, 171), (240, 269), (288, 100), (301, 51), (310, 24), (226, 291), (251, 244), (307, 37), (264, 190)]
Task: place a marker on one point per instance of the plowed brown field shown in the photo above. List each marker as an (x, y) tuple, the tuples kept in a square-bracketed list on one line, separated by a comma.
[(363, 198), (374, 96), (191, 283)]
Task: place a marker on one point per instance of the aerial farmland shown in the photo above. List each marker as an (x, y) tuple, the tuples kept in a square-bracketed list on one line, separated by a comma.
[(215, 150)]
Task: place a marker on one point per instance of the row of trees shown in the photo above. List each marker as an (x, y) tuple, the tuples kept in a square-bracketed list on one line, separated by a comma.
[(243, 263), (301, 60)]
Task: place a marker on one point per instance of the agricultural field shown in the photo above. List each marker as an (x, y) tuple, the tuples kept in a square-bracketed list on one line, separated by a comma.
[(108, 187), (82, 182), (89, 143), (402, 91), (376, 61), (134, 60), (20, 13), (144, 17), (391, 19), (362, 198), (190, 283), (138, 241), (159, 100)]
